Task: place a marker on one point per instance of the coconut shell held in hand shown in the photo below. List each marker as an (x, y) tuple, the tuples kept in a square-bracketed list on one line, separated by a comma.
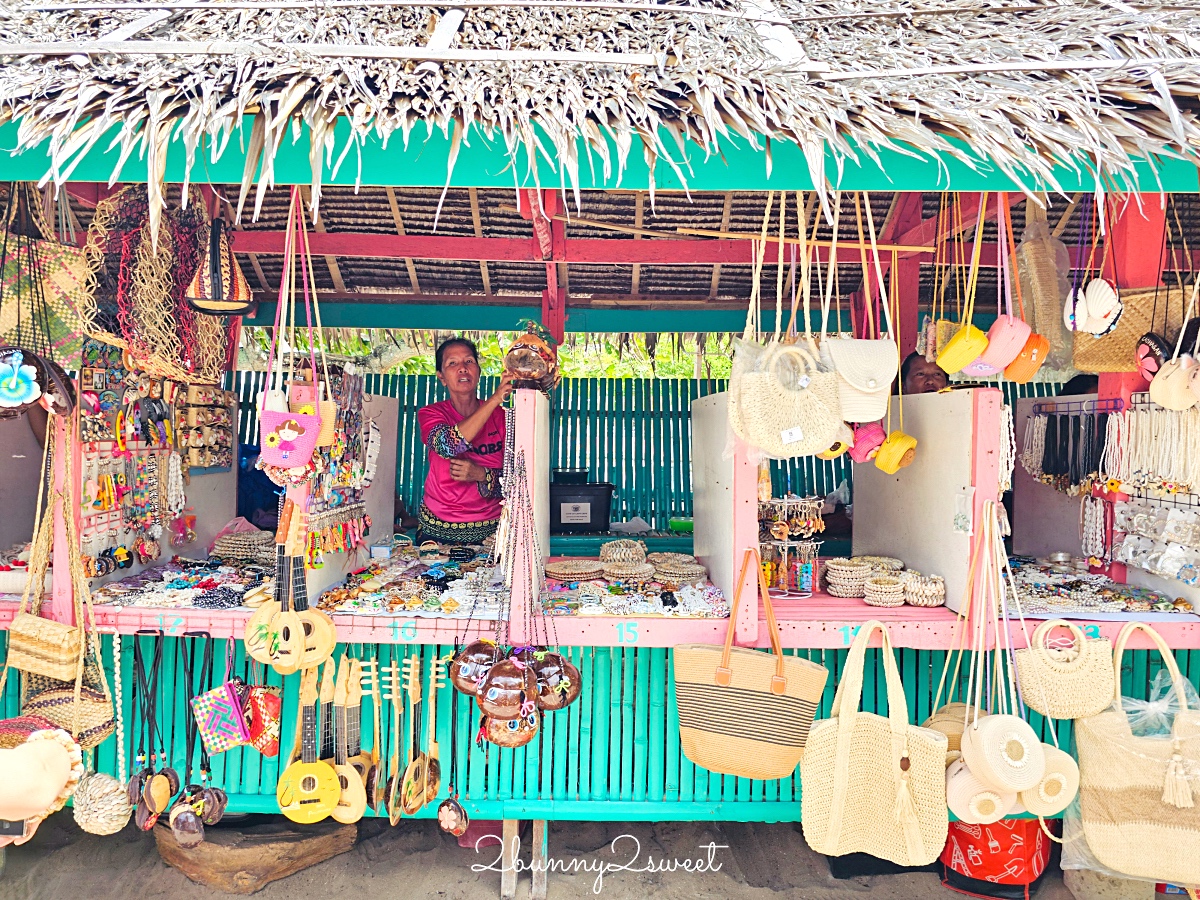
[(513, 732), (472, 665), (558, 681), (507, 686)]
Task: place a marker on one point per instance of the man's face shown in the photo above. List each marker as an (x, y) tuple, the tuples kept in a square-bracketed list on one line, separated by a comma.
[(924, 377)]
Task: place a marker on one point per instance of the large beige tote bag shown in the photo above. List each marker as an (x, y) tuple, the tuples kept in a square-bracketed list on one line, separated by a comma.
[(1136, 793), (870, 783), (743, 712)]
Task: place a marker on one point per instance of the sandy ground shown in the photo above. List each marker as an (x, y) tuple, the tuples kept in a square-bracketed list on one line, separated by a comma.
[(416, 860)]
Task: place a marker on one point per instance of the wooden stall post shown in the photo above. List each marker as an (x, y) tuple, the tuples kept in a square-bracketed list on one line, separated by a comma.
[(532, 412), (62, 607)]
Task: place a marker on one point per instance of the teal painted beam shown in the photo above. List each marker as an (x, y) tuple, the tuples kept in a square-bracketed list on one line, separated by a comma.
[(484, 162), (484, 317)]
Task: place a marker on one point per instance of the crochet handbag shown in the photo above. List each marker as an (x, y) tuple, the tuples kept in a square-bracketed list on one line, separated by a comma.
[(742, 712), (874, 784), (1136, 793), (865, 367), (1065, 684), (288, 438), (790, 407), (969, 342)]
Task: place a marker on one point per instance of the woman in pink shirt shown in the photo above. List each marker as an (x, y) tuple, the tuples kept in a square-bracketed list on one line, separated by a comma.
[(465, 437)]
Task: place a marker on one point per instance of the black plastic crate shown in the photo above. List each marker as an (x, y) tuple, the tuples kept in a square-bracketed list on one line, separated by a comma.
[(580, 508)]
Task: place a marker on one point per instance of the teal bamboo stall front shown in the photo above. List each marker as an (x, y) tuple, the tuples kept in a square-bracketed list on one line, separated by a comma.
[(612, 756)]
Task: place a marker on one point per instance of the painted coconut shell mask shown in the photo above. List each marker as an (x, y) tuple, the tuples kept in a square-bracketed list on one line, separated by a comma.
[(508, 686), (558, 681), (513, 732), (472, 665)]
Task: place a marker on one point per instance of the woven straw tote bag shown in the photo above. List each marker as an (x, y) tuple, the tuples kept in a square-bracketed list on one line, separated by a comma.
[(1117, 350), (1069, 685), (743, 712), (790, 408), (874, 784), (1136, 793)]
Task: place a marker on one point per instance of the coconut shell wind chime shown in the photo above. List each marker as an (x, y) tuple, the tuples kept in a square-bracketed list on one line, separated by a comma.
[(41, 284), (513, 686)]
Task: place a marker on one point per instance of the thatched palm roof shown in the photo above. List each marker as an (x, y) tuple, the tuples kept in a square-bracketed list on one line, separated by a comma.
[(1022, 83)]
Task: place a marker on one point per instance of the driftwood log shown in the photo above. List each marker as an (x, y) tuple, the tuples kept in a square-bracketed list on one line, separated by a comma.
[(243, 862)]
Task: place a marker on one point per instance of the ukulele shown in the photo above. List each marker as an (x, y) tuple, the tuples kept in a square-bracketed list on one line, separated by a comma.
[(320, 634), (286, 624), (308, 790), (412, 788), (325, 748), (392, 682), (367, 764), (258, 636), (433, 768), (353, 800)]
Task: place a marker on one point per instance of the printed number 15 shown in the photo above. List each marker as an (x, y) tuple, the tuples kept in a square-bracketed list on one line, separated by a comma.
[(627, 632)]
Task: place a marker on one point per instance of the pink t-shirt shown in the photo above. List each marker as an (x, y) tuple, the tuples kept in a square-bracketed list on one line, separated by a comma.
[(459, 501)]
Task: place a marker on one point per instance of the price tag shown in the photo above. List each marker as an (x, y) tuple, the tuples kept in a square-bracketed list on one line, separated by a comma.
[(803, 381), (792, 435)]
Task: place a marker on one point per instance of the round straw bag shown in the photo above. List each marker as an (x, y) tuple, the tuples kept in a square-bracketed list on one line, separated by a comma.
[(791, 407), (963, 349), (867, 441), (898, 451), (1058, 786), (1065, 684), (623, 550), (971, 800), (1003, 752), (950, 720), (1022, 369), (101, 804)]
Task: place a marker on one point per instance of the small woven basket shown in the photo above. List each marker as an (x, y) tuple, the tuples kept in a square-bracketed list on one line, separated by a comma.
[(623, 550), (924, 590), (847, 577), (884, 591)]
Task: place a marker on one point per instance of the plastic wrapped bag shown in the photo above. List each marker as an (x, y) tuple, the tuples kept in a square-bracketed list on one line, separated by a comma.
[(1043, 263), (1148, 719)]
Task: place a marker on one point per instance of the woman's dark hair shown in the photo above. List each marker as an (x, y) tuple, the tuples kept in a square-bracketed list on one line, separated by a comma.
[(906, 366), (450, 342)]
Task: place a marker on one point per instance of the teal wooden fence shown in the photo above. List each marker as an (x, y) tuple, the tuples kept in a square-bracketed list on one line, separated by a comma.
[(632, 432), (613, 755)]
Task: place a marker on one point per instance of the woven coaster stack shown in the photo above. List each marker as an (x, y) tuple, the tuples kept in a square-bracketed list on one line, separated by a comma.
[(884, 590), (847, 577), (255, 546), (574, 569), (924, 590), (680, 572), (623, 550), (659, 558), (629, 572), (883, 565)]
